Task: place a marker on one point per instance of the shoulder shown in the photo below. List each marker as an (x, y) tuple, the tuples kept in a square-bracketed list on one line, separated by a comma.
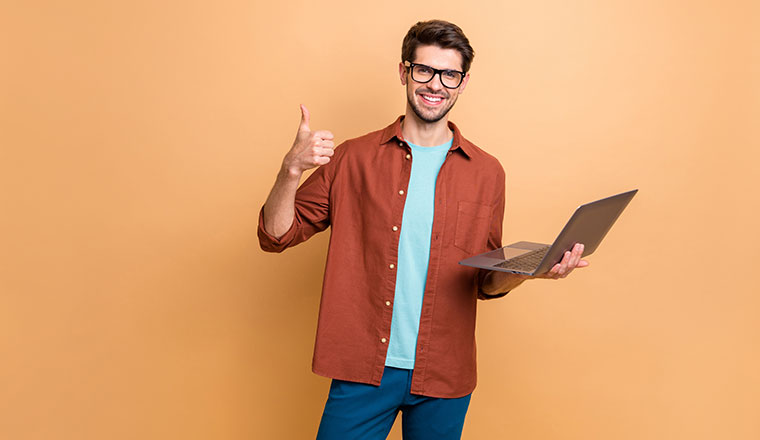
[(482, 159), (478, 159), (373, 138), (376, 138), (362, 148), (355, 152), (369, 139)]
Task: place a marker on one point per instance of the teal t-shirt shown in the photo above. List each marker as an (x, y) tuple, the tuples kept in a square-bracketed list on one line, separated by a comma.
[(414, 254)]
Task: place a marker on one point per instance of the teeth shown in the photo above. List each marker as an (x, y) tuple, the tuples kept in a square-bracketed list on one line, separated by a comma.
[(431, 99)]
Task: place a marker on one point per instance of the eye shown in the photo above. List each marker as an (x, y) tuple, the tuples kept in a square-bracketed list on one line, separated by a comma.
[(451, 74), (424, 69)]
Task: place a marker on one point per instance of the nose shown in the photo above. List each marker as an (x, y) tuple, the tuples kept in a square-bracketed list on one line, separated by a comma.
[(435, 83)]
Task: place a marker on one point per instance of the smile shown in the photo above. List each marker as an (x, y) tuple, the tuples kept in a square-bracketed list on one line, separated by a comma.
[(431, 99)]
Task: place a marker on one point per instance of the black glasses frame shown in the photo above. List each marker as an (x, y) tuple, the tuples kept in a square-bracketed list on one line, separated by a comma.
[(438, 72)]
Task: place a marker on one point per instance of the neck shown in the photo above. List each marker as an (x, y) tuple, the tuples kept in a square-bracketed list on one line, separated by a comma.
[(425, 134)]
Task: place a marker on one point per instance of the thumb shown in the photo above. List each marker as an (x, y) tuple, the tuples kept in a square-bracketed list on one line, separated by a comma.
[(305, 118)]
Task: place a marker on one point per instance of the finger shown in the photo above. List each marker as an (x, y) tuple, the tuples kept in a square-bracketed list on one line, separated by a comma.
[(324, 151), (321, 160), (581, 248), (305, 119), (575, 259), (583, 263), (563, 264), (579, 254), (553, 274), (575, 255), (323, 134), (326, 144), (571, 259)]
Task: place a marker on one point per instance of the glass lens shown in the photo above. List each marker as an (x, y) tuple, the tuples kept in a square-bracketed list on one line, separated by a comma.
[(422, 73), (449, 78)]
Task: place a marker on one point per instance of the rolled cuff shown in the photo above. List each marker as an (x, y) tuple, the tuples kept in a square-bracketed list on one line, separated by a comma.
[(270, 243), (485, 296)]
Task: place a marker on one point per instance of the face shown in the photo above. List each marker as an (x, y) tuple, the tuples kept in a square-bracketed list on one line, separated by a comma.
[(432, 101)]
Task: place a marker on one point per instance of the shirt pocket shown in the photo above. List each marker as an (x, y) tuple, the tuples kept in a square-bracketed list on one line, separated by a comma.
[(473, 220)]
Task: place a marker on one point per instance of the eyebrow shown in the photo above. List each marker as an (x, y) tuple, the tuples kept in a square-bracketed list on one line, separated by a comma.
[(432, 67)]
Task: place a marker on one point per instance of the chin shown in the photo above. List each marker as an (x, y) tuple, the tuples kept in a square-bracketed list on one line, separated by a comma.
[(430, 117), (426, 115)]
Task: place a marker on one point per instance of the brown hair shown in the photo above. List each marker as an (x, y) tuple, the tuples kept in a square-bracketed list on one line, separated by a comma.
[(437, 33)]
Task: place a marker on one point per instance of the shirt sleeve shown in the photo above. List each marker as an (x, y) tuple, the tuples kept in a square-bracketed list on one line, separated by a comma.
[(312, 210), (494, 234)]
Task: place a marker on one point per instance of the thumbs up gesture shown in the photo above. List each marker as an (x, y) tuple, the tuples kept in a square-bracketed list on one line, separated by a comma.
[(310, 149)]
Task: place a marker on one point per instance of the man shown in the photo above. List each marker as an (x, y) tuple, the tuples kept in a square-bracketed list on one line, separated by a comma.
[(396, 325)]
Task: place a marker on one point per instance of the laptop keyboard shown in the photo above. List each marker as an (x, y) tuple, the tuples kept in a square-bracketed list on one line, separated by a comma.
[(525, 262)]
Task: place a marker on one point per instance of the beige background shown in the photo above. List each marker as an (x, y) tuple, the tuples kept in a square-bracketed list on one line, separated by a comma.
[(139, 140)]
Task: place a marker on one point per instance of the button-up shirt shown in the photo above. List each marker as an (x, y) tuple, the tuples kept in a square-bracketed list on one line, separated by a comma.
[(360, 195)]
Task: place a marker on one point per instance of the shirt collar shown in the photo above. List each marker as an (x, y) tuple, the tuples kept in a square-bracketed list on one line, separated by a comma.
[(393, 131)]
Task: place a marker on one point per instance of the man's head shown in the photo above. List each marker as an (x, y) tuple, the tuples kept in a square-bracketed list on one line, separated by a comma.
[(437, 33), (435, 58)]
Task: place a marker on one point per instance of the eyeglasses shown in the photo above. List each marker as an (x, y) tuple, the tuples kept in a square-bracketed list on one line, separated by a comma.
[(451, 79)]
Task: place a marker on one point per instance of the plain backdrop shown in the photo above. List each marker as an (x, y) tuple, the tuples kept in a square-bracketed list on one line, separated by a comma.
[(138, 141)]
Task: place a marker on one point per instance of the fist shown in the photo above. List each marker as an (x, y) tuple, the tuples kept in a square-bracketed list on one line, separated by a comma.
[(310, 149)]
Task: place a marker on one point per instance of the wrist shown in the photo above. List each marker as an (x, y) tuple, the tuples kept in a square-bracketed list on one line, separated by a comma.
[(496, 281), (290, 171)]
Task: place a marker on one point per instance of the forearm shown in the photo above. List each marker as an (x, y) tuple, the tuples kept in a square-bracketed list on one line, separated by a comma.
[(279, 209), (309, 150), (497, 282)]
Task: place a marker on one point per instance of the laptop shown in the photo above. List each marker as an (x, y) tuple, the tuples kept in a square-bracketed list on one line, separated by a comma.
[(588, 225)]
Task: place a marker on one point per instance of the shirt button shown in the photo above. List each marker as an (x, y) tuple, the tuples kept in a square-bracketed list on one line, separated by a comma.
[(408, 156), (387, 303), (401, 144), (383, 340), (401, 192), (395, 228), (392, 265)]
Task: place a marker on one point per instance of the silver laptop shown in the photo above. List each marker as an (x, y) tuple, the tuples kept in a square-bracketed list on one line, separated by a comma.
[(588, 225)]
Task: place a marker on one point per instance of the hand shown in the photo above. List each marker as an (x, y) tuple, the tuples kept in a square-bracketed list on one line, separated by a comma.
[(496, 281), (570, 261), (310, 149)]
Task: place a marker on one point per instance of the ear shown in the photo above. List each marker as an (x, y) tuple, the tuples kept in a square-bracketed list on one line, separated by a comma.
[(402, 73), (464, 83)]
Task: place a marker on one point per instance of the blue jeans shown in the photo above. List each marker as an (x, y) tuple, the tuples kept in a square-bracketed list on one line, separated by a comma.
[(367, 412)]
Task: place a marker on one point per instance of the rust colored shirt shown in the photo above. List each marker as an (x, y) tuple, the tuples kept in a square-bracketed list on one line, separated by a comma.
[(360, 194)]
